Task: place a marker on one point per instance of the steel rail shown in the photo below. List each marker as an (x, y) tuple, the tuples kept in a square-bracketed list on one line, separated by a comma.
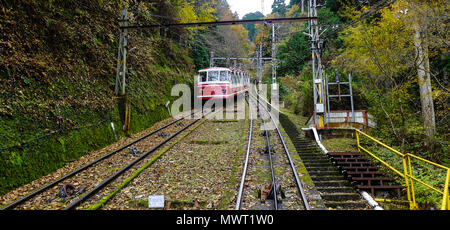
[(272, 173), (244, 172), (222, 23), (294, 171), (105, 182), (76, 171), (124, 169)]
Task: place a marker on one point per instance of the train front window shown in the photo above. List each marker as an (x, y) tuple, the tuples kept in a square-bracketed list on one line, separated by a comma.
[(223, 76), (202, 77), (213, 76)]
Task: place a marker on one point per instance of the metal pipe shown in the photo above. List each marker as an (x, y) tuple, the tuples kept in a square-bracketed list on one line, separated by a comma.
[(370, 200), (380, 143), (351, 97), (343, 95), (328, 99), (445, 200)]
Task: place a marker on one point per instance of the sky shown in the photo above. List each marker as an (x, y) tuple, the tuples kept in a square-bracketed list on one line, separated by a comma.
[(242, 7)]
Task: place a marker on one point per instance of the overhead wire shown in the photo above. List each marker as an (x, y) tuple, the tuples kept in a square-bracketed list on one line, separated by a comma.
[(368, 13), (202, 41)]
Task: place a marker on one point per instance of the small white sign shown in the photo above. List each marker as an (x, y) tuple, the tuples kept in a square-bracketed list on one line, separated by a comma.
[(320, 108), (156, 201)]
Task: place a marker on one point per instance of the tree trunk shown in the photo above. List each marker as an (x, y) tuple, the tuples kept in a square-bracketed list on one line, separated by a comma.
[(423, 73)]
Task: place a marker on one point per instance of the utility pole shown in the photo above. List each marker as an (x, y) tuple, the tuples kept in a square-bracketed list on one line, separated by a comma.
[(317, 68), (274, 67), (123, 105), (211, 59), (122, 55), (262, 7), (302, 6), (259, 69)]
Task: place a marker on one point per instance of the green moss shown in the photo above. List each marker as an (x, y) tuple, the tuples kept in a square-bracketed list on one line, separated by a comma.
[(136, 173), (233, 181), (303, 173), (224, 121), (23, 165), (278, 170), (207, 142), (340, 144), (67, 85)]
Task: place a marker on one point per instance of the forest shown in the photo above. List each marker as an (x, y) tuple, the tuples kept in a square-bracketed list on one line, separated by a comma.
[(397, 54), (58, 67), (58, 62)]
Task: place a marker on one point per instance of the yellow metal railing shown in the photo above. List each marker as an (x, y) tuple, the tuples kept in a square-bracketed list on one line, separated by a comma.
[(407, 172)]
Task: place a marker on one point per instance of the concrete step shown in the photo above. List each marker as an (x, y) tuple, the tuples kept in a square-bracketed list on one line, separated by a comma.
[(321, 168), (325, 173), (312, 155), (333, 183), (326, 190), (313, 164), (341, 196), (346, 205), (315, 160), (327, 177)]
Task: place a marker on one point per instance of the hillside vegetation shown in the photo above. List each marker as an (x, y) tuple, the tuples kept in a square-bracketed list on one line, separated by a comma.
[(58, 65), (397, 53)]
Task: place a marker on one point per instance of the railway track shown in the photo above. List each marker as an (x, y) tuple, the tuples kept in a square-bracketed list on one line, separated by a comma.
[(195, 172), (274, 184), (279, 184), (336, 191), (112, 160), (244, 172)]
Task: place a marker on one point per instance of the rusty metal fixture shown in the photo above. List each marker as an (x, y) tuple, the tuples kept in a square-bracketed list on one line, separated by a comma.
[(134, 151), (266, 193), (162, 134), (67, 190)]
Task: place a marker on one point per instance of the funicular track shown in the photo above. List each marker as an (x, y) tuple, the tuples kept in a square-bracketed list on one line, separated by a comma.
[(179, 125), (277, 182), (193, 173)]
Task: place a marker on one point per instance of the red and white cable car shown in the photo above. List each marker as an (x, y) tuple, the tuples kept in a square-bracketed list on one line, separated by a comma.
[(221, 83)]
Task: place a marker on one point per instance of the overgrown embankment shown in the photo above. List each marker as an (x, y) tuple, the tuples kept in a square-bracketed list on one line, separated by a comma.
[(57, 77)]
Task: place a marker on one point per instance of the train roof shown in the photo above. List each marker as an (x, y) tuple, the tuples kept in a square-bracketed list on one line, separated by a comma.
[(222, 68)]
